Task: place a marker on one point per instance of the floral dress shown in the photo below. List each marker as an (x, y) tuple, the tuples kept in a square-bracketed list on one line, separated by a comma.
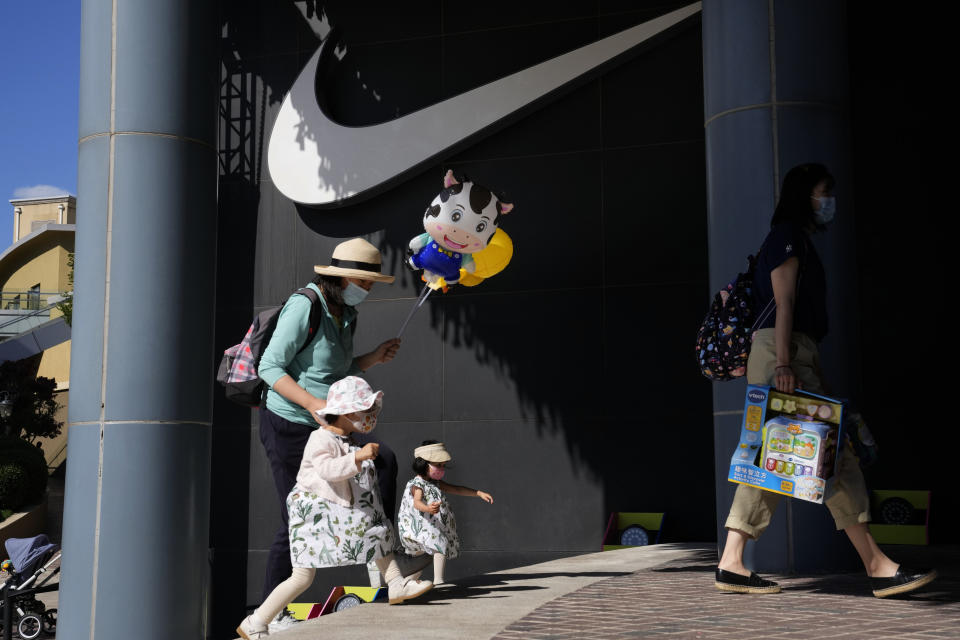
[(326, 534), (427, 532)]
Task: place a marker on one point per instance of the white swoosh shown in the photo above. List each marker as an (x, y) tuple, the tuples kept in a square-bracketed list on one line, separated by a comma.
[(317, 162)]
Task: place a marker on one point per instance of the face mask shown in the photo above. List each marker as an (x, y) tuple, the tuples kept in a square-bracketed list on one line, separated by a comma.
[(354, 295), (366, 423), (828, 207), (436, 473)]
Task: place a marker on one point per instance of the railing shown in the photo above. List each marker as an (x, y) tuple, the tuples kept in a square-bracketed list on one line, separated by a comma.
[(23, 310)]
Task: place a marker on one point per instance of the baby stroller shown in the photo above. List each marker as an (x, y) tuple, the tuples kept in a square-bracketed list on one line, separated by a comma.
[(29, 569)]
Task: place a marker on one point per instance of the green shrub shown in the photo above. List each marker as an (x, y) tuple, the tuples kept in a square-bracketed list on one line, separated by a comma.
[(23, 473), (14, 485)]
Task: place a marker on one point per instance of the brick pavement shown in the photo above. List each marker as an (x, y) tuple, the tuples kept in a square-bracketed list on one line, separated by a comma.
[(678, 600)]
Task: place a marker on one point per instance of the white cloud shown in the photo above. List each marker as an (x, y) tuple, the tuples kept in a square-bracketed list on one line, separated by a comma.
[(38, 191)]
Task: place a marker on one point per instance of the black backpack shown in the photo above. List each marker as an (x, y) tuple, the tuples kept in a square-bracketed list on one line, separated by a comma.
[(238, 367), (723, 341)]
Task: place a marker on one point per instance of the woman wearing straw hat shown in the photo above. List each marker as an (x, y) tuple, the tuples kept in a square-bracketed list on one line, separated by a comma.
[(298, 380)]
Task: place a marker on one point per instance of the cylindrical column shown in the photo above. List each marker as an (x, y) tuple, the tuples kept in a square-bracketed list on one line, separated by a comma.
[(136, 513), (775, 93)]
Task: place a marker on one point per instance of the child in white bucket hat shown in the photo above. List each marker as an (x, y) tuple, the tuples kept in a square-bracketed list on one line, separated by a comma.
[(425, 521), (335, 511)]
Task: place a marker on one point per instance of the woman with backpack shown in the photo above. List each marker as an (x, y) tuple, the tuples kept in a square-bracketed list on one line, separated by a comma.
[(784, 354), (299, 377)]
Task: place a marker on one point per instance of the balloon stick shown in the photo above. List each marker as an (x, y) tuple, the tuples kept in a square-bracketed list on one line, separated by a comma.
[(419, 303)]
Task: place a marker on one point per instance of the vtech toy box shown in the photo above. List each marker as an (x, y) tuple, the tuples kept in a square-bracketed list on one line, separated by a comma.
[(788, 442)]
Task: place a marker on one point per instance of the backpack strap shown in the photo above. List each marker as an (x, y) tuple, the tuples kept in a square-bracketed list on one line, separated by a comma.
[(316, 313)]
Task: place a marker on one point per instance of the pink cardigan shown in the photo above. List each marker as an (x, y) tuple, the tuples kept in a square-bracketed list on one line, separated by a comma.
[(326, 467)]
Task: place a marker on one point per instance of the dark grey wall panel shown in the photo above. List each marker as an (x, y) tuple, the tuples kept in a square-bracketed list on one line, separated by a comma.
[(392, 23), (412, 383), (382, 86), (658, 97), (520, 355), (825, 75), (640, 210), (474, 58), (570, 124), (517, 462), (276, 274)]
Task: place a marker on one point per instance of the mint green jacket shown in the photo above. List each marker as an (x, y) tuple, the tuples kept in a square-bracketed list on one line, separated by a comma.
[(328, 357)]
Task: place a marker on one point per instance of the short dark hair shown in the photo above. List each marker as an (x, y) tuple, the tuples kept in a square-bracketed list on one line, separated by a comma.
[(795, 205), (419, 464), (331, 418)]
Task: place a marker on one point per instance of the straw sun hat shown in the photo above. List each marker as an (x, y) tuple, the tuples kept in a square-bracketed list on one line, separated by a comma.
[(432, 452), (355, 258)]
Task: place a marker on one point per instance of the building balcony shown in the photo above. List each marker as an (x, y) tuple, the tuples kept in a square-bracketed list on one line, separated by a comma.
[(22, 311)]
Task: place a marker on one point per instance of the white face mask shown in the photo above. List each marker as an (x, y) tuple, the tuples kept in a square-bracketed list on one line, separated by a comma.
[(354, 294), (828, 207)]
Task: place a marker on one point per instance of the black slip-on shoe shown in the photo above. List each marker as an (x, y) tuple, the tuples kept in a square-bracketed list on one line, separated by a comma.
[(730, 581), (904, 581)]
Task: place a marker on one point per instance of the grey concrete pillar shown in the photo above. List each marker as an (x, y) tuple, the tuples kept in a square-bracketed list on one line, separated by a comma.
[(776, 95), (136, 514)]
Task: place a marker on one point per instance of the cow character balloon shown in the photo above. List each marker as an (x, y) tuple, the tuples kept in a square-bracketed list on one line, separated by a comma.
[(463, 241)]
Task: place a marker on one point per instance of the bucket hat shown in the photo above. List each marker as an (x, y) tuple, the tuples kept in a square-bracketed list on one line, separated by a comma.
[(353, 394), (355, 258), (432, 452)]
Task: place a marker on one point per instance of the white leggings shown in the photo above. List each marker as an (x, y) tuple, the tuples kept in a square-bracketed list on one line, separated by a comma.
[(282, 595), (297, 583)]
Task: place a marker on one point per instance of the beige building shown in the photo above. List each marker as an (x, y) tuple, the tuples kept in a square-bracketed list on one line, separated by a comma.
[(35, 273)]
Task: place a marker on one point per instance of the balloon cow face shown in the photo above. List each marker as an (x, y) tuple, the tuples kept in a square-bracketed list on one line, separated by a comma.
[(460, 221), (464, 216)]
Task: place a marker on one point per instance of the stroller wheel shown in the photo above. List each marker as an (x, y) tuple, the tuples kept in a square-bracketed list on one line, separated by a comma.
[(49, 621), (29, 626)]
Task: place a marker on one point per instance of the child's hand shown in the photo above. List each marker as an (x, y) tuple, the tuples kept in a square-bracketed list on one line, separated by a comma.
[(486, 497), (369, 452), (433, 507)]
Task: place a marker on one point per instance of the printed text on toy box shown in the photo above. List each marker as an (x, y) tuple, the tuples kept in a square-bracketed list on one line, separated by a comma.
[(748, 474)]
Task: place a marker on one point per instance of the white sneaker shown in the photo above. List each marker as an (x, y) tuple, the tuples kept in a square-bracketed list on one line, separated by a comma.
[(249, 631), (405, 589), (284, 620)]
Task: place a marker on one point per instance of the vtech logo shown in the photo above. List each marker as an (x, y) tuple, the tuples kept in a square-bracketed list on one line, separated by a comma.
[(757, 395)]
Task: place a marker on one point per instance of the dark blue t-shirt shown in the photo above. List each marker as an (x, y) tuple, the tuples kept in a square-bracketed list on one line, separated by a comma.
[(785, 241)]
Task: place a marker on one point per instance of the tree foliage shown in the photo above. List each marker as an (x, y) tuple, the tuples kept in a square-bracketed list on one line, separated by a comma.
[(33, 405)]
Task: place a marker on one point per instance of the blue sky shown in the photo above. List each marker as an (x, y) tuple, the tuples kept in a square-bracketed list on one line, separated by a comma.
[(39, 69)]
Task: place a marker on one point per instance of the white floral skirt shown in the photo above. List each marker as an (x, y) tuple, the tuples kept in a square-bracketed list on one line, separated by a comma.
[(427, 532), (325, 534)]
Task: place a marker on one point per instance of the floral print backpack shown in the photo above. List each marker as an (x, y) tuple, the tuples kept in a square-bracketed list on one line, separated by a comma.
[(723, 341)]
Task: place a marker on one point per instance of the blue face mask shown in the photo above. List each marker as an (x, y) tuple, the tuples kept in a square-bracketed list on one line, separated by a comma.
[(354, 295), (828, 207)]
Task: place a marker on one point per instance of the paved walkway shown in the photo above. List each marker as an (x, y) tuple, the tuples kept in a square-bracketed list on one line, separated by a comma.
[(661, 591), (678, 601)]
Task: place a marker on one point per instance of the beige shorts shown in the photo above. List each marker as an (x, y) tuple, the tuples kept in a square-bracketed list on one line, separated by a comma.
[(846, 495)]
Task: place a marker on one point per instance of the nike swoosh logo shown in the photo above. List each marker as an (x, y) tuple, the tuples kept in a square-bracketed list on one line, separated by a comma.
[(317, 162)]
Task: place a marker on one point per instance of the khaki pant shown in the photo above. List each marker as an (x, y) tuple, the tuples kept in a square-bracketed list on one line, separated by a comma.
[(846, 495)]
